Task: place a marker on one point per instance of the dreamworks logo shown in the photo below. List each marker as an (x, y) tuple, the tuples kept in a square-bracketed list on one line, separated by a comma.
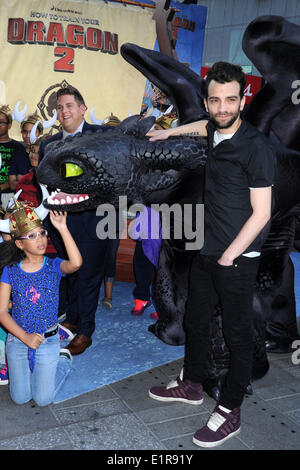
[(157, 221), (296, 354)]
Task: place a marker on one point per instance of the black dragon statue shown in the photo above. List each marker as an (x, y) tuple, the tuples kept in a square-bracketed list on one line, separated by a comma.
[(122, 161)]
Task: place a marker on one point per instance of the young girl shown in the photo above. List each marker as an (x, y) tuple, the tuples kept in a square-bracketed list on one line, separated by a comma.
[(32, 280)]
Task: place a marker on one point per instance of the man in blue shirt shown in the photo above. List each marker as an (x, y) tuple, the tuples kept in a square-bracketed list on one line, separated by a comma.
[(84, 285)]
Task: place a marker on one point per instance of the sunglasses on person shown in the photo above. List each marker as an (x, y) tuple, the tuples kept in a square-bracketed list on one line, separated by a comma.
[(33, 236)]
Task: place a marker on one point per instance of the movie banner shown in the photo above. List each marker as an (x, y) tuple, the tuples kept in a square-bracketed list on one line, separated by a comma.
[(46, 45)]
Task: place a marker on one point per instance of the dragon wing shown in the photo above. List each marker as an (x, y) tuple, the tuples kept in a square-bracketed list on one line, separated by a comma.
[(272, 43)]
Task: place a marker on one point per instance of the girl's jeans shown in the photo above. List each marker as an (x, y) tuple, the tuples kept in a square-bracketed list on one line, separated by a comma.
[(49, 373)]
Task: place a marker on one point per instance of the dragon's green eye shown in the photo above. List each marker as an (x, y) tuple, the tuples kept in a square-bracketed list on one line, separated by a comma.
[(70, 169)]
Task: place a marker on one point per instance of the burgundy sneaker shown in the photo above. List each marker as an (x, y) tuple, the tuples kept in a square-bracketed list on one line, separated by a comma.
[(179, 390), (140, 306), (220, 427)]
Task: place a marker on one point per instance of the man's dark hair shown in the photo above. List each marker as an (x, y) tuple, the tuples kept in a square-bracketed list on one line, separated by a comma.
[(224, 72), (71, 91)]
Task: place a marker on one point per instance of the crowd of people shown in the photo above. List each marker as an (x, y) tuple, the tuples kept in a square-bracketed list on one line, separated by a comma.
[(78, 291), (239, 176)]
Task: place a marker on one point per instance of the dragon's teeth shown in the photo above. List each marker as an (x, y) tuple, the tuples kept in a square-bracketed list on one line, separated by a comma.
[(69, 199)]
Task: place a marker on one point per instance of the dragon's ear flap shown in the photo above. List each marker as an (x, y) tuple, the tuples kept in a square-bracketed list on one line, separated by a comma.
[(183, 87), (272, 43)]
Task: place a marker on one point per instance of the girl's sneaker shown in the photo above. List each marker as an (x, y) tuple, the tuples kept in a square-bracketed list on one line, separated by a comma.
[(4, 376), (66, 353), (65, 333)]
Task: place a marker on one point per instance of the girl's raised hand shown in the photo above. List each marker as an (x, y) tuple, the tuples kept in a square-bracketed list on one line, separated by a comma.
[(58, 219)]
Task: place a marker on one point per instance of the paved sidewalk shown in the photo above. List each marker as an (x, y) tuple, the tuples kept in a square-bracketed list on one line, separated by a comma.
[(121, 416)]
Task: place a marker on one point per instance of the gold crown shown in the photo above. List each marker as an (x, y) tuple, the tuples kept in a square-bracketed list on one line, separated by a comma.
[(23, 218), (165, 121), (32, 119), (111, 120), (5, 109)]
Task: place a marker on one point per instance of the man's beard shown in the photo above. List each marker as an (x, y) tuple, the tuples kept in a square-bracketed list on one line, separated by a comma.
[(226, 125)]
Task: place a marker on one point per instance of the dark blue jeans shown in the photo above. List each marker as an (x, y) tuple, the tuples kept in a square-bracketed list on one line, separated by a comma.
[(143, 272), (111, 259), (84, 285), (233, 286)]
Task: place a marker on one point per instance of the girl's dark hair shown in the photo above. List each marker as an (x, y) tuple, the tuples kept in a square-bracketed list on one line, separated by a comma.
[(224, 72), (9, 254)]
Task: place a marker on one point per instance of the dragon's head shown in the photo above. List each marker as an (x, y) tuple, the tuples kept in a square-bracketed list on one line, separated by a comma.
[(98, 167), (81, 170)]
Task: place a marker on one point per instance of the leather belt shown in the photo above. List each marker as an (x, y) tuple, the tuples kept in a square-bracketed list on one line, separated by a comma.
[(51, 333)]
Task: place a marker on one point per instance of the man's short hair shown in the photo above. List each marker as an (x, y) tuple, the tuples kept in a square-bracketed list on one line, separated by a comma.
[(224, 72), (71, 91)]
